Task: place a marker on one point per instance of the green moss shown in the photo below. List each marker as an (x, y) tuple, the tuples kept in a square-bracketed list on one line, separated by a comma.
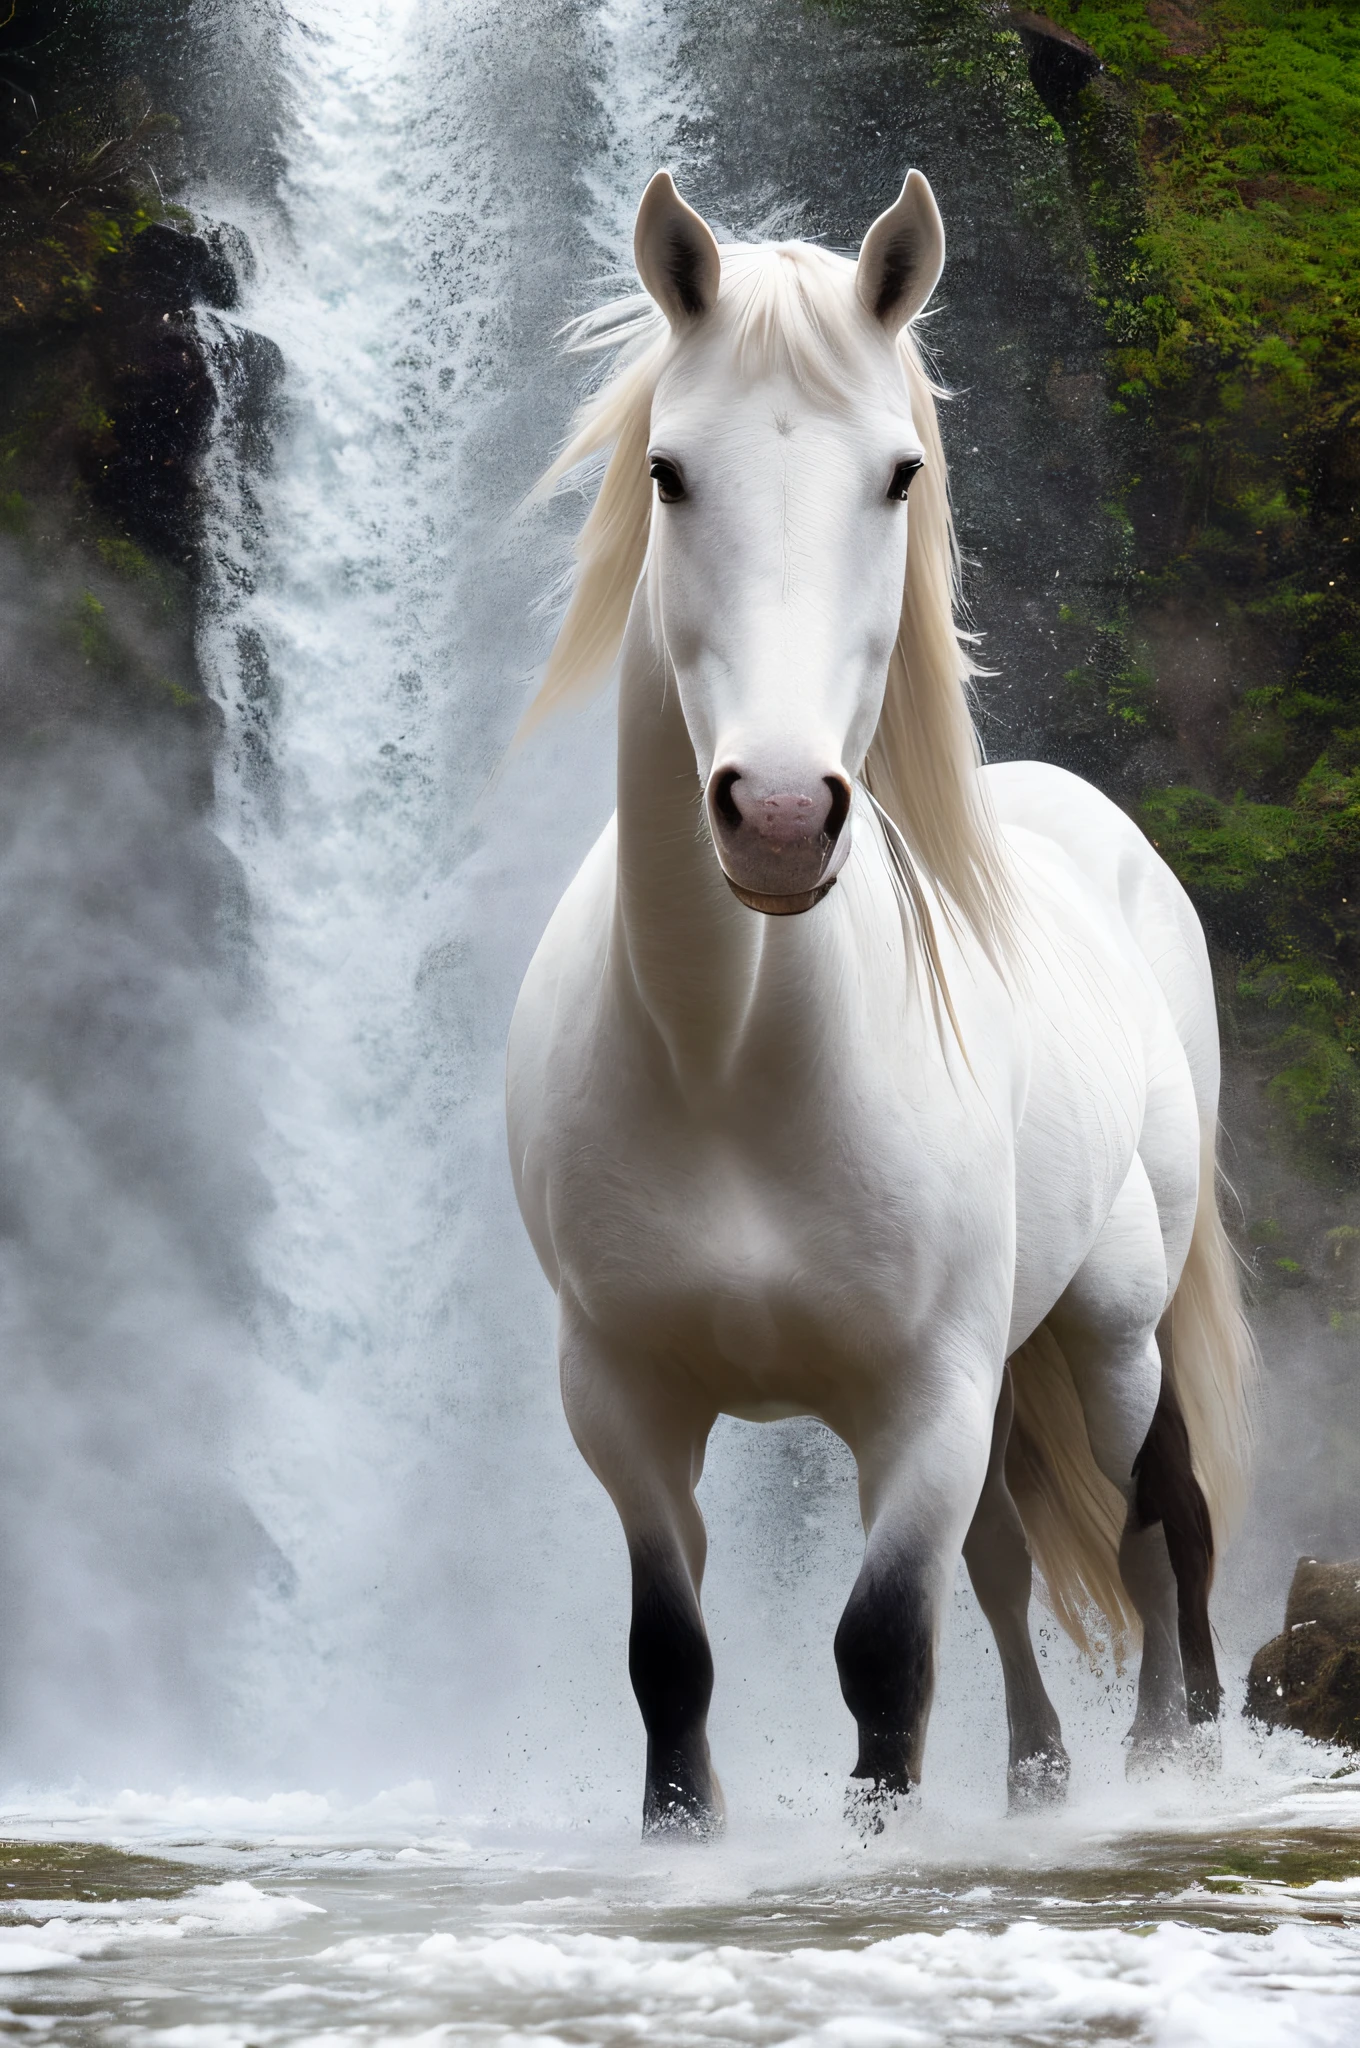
[(91, 632), (176, 694), (1221, 848), (1248, 126), (131, 563), (1217, 161), (112, 647), (78, 1870), (1316, 1084), (91, 417), (1268, 879)]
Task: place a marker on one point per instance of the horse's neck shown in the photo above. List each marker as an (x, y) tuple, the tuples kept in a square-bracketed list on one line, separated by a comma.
[(692, 953)]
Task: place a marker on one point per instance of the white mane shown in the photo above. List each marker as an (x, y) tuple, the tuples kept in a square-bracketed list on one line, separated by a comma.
[(788, 310)]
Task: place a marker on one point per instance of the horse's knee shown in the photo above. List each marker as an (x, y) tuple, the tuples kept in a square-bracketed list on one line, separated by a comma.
[(643, 1436)]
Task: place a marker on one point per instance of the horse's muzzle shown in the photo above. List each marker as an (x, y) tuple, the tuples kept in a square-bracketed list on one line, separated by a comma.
[(780, 847)]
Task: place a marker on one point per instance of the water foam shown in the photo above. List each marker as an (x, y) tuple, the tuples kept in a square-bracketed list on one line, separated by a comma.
[(60, 1932)]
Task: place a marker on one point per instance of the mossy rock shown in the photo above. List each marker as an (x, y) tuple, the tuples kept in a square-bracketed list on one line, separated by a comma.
[(1308, 1677)]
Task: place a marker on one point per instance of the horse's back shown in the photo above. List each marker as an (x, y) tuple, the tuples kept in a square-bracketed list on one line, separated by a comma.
[(1140, 892)]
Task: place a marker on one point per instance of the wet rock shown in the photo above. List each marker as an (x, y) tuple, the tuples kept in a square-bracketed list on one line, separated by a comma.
[(248, 371), (1060, 63), (168, 267), (162, 408), (143, 472), (1308, 1677)]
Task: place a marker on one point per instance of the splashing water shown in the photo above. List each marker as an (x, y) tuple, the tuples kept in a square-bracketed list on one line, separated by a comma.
[(433, 1594)]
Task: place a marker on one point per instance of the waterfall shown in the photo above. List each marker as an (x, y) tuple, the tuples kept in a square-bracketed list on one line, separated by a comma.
[(455, 185)]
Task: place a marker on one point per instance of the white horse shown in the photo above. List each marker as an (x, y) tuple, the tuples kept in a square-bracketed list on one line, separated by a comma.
[(788, 1148)]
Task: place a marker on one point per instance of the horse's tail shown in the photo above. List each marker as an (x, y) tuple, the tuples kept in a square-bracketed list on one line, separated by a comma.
[(1213, 1358), (1073, 1516)]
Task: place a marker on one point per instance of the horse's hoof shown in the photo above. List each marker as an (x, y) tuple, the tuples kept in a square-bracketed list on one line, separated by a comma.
[(870, 1804), (683, 1824), (1153, 1751), (683, 1813), (1195, 1751), (1038, 1781)]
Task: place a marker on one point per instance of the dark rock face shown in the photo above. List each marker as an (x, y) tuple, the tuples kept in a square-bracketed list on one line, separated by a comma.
[(1060, 63), (168, 267), (144, 472), (163, 403), (1308, 1677)]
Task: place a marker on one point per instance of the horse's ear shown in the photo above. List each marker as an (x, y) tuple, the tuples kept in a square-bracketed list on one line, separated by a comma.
[(902, 257), (676, 255)]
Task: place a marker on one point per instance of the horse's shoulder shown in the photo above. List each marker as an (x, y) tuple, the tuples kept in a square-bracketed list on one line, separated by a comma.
[(573, 944)]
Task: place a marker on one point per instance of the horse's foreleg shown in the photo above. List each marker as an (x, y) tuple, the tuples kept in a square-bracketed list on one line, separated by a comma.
[(997, 1555), (921, 1470), (644, 1439)]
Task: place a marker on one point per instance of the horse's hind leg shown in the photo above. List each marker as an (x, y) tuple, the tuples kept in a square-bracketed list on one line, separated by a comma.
[(997, 1555), (1166, 1492), (644, 1439), (1106, 1324)]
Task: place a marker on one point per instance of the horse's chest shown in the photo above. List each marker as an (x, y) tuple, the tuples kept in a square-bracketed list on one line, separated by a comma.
[(773, 1258)]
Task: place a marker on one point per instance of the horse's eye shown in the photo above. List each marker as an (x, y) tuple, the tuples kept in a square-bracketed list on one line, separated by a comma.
[(670, 485), (901, 480)]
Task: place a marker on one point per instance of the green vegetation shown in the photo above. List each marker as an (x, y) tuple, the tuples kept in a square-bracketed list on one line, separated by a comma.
[(1247, 120), (79, 181), (1218, 161)]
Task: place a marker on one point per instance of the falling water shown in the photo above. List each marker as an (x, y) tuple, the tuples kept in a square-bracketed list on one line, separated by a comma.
[(403, 1661), (377, 656)]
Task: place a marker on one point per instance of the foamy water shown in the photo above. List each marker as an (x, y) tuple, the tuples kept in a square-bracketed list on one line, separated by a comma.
[(298, 1919)]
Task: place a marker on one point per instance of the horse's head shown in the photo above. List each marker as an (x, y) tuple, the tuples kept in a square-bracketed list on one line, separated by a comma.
[(782, 448)]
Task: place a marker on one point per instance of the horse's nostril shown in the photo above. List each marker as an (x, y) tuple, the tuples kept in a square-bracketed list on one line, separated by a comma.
[(840, 806), (724, 803)]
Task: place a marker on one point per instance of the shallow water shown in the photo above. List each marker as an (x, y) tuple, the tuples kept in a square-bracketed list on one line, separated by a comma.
[(1230, 1914)]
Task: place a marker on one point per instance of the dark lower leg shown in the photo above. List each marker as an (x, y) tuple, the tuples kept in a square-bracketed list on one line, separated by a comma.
[(885, 1653), (1203, 1690), (997, 1555), (1160, 1720), (998, 1561), (671, 1667), (1166, 1491)]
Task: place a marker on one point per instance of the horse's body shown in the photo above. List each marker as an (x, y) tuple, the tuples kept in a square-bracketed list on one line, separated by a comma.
[(848, 1163)]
